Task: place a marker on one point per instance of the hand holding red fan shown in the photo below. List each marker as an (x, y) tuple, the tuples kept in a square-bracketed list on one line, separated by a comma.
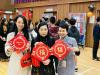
[(60, 49), (18, 43), (41, 51)]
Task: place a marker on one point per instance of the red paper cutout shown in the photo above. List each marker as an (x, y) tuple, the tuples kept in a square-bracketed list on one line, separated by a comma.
[(18, 43), (41, 51), (60, 49)]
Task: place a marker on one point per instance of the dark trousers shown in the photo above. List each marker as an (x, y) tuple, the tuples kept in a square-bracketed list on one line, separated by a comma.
[(95, 48)]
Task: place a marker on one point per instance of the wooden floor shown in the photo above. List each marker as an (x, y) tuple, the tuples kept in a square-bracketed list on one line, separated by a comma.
[(86, 65)]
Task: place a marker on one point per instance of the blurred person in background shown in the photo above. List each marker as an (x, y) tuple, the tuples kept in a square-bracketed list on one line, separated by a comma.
[(96, 38), (74, 32), (53, 29), (3, 35)]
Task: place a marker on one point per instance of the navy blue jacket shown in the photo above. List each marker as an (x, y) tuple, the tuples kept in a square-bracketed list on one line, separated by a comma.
[(96, 32)]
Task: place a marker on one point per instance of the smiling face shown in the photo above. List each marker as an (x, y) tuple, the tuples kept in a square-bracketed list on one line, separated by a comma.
[(62, 32), (43, 30), (20, 24)]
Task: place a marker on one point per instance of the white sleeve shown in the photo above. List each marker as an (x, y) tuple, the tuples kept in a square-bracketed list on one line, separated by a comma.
[(34, 34), (9, 37)]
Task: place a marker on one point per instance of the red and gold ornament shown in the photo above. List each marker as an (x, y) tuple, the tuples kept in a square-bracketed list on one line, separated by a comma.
[(41, 51), (18, 43)]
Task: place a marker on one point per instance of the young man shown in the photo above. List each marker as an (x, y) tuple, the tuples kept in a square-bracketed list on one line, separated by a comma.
[(96, 37)]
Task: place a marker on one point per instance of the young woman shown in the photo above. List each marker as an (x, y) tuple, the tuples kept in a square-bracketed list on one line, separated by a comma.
[(46, 67), (14, 67)]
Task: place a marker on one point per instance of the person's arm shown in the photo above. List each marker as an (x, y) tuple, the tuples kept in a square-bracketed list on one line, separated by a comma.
[(75, 47), (8, 48), (96, 30)]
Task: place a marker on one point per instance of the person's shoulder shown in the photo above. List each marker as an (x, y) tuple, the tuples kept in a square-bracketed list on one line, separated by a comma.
[(69, 30), (95, 25), (11, 34), (71, 38)]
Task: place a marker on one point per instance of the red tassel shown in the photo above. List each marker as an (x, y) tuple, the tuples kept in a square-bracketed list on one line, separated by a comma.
[(26, 60), (35, 62)]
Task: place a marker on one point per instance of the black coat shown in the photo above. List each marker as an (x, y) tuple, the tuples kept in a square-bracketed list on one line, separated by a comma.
[(96, 32), (73, 32), (4, 35), (49, 69), (2, 43)]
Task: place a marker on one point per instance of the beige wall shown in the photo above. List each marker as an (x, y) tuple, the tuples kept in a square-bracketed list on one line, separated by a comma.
[(5, 4)]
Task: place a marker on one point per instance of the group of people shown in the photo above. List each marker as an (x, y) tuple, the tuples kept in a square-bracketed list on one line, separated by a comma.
[(5, 28), (47, 32)]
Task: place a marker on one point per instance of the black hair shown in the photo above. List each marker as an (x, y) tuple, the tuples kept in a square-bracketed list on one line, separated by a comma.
[(58, 22), (25, 29), (2, 24), (36, 23), (66, 19), (98, 19), (45, 19), (42, 24), (72, 21), (3, 21), (64, 25), (52, 20), (29, 22)]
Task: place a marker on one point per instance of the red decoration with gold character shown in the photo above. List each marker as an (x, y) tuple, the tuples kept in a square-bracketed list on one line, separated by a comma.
[(41, 51), (18, 43), (60, 49)]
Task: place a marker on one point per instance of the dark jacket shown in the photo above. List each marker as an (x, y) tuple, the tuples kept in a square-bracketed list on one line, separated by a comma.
[(3, 35), (96, 32), (49, 69), (2, 42), (73, 32)]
